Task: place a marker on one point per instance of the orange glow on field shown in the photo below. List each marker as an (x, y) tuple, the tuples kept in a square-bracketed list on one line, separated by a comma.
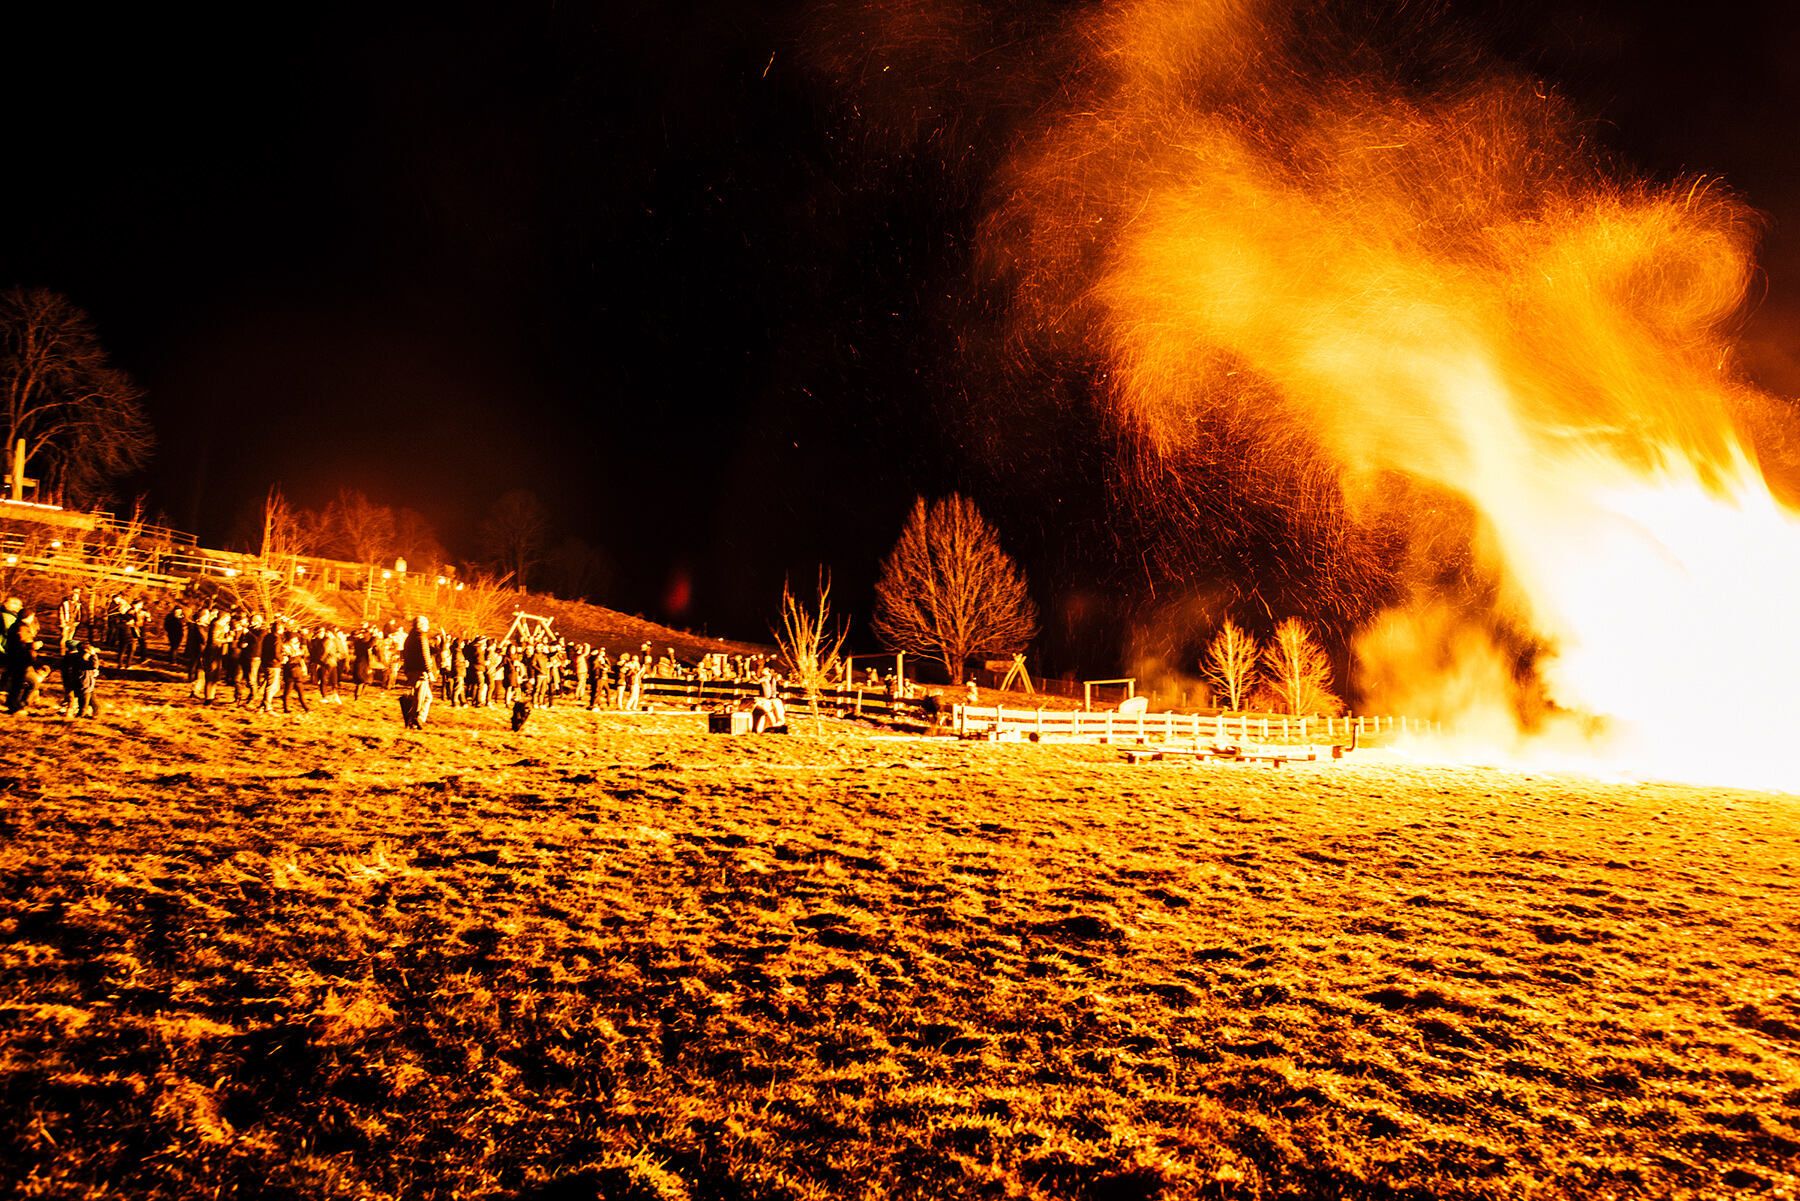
[(1436, 315)]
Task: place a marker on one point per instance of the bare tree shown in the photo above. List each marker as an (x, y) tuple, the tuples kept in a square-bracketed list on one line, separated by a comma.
[(575, 569), (1299, 674), (82, 419), (287, 530), (948, 591), (416, 540), (810, 642), (1229, 664), (269, 585), (114, 551), (363, 530), (513, 533), (475, 605)]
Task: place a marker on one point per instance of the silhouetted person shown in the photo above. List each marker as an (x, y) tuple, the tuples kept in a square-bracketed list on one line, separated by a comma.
[(362, 660), (293, 655), (21, 656), (69, 616), (81, 679), (415, 663)]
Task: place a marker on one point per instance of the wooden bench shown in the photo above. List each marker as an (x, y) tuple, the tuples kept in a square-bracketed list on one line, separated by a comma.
[(1274, 756)]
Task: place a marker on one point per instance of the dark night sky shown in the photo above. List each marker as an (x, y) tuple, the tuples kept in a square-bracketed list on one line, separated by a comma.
[(635, 257)]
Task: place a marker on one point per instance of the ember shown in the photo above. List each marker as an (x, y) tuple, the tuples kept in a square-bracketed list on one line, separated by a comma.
[(1489, 379)]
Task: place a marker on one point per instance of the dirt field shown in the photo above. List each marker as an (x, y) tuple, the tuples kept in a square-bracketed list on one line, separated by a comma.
[(615, 958)]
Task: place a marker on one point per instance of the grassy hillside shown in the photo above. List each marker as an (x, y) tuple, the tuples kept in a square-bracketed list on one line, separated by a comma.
[(615, 958)]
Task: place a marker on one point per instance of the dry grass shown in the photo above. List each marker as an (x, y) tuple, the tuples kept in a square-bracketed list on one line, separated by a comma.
[(614, 958)]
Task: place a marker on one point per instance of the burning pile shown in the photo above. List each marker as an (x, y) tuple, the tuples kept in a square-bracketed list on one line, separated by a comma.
[(1489, 378)]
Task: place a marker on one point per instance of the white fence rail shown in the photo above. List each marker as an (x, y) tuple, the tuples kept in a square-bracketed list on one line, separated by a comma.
[(1072, 724)]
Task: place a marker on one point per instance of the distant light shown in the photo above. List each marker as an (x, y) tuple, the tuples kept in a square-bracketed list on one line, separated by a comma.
[(12, 560), (387, 575), (459, 586), (231, 571), (129, 569), (299, 570), (442, 581), (56, 544)]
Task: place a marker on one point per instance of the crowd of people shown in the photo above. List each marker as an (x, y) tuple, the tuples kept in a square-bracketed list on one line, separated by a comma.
[(229, 655)]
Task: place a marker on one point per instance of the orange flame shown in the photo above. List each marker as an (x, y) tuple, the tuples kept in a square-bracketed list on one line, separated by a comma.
[(1440, 315)]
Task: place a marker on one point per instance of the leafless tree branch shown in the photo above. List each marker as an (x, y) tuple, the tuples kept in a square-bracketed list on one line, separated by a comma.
[(948, 590)]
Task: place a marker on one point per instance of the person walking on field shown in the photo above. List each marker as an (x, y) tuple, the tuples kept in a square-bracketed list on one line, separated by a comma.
[(216, 650), (475, 682), (18, 644), (415, 662), (81, 679), (174, 624), (193, 649), (362, 660), (622, 681), (248, 681), (332, 650), (69, 616), (131, 622), (268, 685), (638, 666), (292, 656)]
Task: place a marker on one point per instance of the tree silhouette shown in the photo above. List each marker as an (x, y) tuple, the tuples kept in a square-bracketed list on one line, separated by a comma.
[(82, 419), (513, 534), (810, 642), (416, 541), (948, 590), (362, 530), (577, 569), (1229, 664), (1297, 671)]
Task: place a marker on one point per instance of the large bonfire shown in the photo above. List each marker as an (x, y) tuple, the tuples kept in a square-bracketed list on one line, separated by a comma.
[(1489, 376)]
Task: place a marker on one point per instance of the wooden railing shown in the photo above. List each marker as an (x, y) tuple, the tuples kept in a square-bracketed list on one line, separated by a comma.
[(851, 702), (1076, 725)]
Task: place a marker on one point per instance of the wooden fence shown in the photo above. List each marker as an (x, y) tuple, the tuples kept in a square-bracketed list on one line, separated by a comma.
[(849, 702), (116, 557), (1059, 725), (1075, 725)]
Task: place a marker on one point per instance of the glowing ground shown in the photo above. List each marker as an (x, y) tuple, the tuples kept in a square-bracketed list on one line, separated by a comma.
[(615, 958)]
